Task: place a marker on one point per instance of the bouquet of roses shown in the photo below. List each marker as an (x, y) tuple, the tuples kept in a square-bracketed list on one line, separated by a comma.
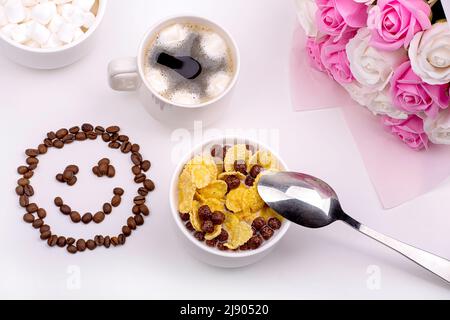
[(392, 56)]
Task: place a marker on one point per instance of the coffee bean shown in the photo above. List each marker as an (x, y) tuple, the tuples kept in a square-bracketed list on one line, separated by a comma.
[(31, 161), (208, 226), (232, 182), (139, 200), (68, 139), (136, 170), (200, 236), (72, 249), (107, 242), (80, 136), (189, 226), (59, 177), (122, 239), (113, 129), (90, 244), (81, 245), (115, 201), (266, 232), (91, 135), (274, 223), (114, 145), (126, 147), (115, 241), (70, 241), (99, 129), (61, 133), (28, 218), (99, 240), (65, 209), (74, 130), (149, 185), (139, 220), (23, 182), (29, 191), (144, 210), (32, 152), (22, 170), (218, 218), (142, 191), (51, 135), (126, 230), (136, 209), (145, 165), (118, 191), (32, 208), (240, 166), (68, 175), (28, 175), (44, 228), (131, 223), (103, 168), (24, 201), (106, 137), (87, 218), (258, 223), (223, 236), (75, 217), (72, 181), (20, 191), (46, 235), (52, 240), (140, 178), (42, 149), (58, 201), (135, 148), (61, 242), (38, 223), (107, 208), (99, 217), (58, 144), (111, 171), (73, 168), (48, 143), (96, 171), (249, 181), (136, 158), (87, 127), (32, 167), (41, 213)]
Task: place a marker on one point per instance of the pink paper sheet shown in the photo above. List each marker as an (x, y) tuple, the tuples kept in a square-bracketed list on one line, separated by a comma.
[(398, 173)]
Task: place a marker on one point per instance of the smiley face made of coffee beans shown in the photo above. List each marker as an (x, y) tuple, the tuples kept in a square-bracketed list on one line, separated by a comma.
[(35, 215)]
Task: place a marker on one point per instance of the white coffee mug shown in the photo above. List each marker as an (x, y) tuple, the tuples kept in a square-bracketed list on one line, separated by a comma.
[(127, 74), (53, 58)]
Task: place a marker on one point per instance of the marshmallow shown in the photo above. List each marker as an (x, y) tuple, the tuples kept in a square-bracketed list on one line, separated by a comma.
[(53, 42), (89, 19), (185, 97), (56, 23), (78, 17), (217, 84), (43, 12), (173, 36), (66, 33), (213, 46), (77, 34), (21, 32), (14, 11), (7, 30), (29, 3), (157, 80), (3, 18), (85, 5), (40, 33)]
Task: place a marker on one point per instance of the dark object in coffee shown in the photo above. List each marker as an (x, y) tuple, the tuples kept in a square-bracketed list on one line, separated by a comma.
[(185, 66)]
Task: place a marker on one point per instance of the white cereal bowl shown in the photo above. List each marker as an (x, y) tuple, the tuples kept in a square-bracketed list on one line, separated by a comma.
[(53, 58), (212, 256)]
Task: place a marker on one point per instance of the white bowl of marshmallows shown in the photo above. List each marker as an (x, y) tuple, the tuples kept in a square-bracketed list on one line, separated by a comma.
[(48, 34)]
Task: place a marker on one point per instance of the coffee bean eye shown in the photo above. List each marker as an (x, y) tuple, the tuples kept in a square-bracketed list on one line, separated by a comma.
[(69, 175), (104, 168)]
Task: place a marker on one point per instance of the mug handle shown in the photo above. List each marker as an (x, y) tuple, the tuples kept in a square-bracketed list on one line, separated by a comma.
[(123, 74)]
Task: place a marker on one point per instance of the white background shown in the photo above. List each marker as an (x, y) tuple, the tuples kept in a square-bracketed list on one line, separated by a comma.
[(327, 263)]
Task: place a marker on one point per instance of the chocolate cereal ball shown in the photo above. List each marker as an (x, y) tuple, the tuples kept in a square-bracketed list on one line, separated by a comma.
[(204, 213)]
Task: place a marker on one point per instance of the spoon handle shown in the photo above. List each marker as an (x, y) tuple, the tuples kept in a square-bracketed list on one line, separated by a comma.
[(435, 264)]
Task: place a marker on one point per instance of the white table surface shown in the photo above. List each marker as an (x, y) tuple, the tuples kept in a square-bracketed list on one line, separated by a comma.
[(329, 263)]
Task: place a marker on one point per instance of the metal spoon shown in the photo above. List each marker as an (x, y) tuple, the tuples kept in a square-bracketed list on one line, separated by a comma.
[(312, 203), (185, 66)]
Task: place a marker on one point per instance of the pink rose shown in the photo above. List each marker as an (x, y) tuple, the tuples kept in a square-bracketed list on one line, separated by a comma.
[(334, 58), (411, 94), (336, 17), (395, 22), (314, 50), (410, 131)]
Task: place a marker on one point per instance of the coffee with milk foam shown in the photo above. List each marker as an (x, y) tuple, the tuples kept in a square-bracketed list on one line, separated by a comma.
[(204, 45)]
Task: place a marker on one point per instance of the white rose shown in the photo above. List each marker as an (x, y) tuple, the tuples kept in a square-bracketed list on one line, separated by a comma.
[(306, 13), (378, 102), (438, 130), (429, 53), (370, 67)]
